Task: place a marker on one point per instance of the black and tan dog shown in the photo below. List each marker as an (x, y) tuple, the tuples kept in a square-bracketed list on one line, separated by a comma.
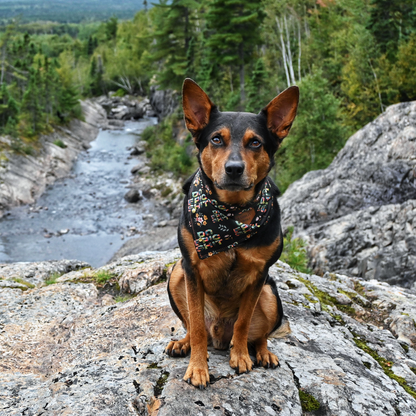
[(229, 234)]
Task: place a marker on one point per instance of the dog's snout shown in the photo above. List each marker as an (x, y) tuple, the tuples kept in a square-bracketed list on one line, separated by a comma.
[(234, 169)]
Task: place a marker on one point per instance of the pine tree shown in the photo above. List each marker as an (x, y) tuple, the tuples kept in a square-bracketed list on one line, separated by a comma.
[(392, 21), (31, 105), (257, 93), (233, 33), (173, 47)]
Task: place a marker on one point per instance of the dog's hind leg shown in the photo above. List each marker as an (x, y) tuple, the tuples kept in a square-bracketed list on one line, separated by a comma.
[(177, 298), (267, 316)]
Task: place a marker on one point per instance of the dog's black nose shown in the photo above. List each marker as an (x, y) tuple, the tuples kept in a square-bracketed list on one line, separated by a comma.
[(234, 169)]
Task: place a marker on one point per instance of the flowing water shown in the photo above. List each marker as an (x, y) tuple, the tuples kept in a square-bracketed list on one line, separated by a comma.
[(83, 216)]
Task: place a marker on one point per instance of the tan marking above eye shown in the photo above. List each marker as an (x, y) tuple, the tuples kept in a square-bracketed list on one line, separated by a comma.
[(225, 135), (249, 136)]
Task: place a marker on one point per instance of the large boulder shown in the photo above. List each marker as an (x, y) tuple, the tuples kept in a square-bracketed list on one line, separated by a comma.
[(164, 102), (359, 215), (68, 348)]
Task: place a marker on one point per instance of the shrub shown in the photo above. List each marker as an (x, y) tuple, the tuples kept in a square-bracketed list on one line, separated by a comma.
[(60, 144), (294, 252)]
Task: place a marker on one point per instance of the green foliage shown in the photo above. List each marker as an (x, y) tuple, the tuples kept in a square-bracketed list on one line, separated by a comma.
[(123, 298), (232, 34), (350, 59), (403, 72), (103, 276), (294, 252), (308, 402), (60, 144), (317, 135), (390, 22), (385, 364), (24, 282), (257, 94), (165, 153), (173, 32), (52, 279)]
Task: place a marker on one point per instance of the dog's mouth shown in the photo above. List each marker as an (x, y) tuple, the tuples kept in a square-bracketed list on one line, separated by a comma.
[(233, 186)]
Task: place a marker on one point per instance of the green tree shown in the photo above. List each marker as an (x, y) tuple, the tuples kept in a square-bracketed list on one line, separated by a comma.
[(233, 34), (317, 134), (174, 28), (31, 105), (111, 28), (403, 72), (258, 94), (390, 22)]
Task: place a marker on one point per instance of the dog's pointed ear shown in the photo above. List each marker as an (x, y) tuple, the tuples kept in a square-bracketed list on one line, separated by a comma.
[(197, 107), (281, 112)]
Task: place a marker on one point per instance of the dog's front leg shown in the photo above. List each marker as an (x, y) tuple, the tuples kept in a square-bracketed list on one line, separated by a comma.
[(197, 372), (239, 357)]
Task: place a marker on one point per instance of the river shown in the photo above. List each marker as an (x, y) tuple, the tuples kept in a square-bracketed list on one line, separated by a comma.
[(83, 216)]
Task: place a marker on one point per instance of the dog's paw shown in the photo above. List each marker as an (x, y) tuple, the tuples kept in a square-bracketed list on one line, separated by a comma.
[(197, 374), (179, 348), (240, 362), (267, 359)]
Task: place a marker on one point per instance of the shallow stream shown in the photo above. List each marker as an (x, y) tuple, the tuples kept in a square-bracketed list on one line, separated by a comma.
[(83, 216)]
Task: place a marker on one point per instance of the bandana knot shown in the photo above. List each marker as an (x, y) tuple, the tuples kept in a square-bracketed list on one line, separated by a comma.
[(218, 227)]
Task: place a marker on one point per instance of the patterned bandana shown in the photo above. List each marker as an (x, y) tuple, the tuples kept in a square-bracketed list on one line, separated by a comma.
[(215, 226)]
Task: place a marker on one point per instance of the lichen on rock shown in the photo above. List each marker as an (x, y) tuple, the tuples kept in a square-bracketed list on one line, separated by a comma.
[(69, 348)]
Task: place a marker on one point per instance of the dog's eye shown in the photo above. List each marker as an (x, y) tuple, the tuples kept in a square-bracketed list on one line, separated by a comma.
[(216, 140), (255, 144)]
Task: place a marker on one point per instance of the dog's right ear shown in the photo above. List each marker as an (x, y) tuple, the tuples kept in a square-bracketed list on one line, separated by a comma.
[(196, 107)]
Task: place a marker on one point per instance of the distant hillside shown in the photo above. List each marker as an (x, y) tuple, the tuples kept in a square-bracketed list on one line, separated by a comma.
[(68, 11)]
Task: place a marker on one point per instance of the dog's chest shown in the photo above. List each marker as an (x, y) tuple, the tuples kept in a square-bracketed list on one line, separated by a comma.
[(228, 274)]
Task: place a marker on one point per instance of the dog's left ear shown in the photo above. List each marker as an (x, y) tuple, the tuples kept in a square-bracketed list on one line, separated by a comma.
[(196, 107), (281, 112)]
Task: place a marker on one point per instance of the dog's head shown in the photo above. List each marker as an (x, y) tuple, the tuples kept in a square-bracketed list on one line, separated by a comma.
[(236, 149)]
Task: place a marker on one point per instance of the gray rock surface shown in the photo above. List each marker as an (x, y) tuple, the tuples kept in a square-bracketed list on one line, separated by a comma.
[(359, 215), (164, 102), (69, 348), (24, 178), (126, 108)]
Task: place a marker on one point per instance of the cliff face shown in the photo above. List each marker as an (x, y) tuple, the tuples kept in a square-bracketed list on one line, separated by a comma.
[(359, 214), (69, 348), (24, 178)]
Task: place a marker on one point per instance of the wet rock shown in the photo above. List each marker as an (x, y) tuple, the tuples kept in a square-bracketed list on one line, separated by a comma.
[(133, 196), (116, 123), (138, 149), (63, 351), (359, 214)]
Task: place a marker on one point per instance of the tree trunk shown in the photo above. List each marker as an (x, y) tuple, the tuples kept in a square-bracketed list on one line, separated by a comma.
[(283, 50)]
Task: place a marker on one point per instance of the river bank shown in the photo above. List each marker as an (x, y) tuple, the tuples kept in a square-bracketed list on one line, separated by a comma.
[(74, 202), (85, 215), (23, 178)]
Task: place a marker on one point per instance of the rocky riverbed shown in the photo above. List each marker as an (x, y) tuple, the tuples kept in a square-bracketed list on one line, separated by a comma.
[(79, 201), (78, 340), (359, 215), (24, 178)]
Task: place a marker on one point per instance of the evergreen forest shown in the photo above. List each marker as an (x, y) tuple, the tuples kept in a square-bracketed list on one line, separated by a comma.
[(350, 58)]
